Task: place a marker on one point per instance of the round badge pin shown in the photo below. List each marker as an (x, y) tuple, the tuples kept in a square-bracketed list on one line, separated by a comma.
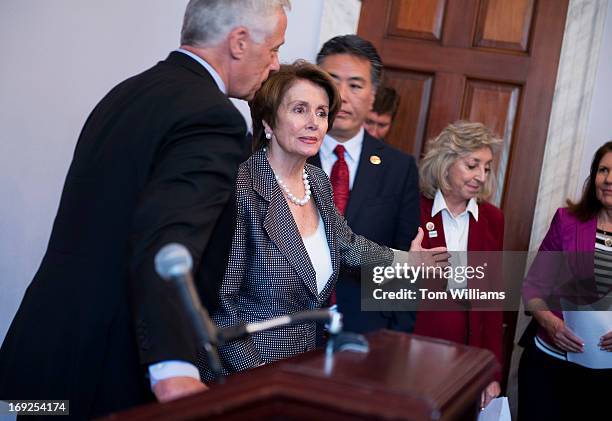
[(430, 226), (375, 159)]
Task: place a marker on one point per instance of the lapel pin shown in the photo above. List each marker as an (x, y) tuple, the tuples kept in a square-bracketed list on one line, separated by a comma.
[(375, 159), (431, 232)]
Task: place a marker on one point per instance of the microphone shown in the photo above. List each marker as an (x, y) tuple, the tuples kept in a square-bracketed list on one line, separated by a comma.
[(174, 263), (246, 329)]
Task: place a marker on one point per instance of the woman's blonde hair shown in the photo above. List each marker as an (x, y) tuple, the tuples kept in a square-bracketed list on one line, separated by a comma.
[(455, 141)]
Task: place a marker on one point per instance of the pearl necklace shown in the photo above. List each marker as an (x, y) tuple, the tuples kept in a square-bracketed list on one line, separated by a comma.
[(291, 196)]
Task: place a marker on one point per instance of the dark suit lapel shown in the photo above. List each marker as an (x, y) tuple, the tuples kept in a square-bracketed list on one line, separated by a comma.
[(366, 179), (279, 223), (283, 232)]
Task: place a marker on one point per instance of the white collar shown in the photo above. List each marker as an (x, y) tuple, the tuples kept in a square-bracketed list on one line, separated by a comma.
[(352, 146), (208, 68), (439, 205)]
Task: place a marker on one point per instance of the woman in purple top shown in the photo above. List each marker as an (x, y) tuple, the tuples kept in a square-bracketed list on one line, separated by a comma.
[(551, 387)]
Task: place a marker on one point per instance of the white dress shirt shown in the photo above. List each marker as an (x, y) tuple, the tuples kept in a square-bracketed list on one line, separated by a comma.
[(353, 152), (175, 368), (456, 231)]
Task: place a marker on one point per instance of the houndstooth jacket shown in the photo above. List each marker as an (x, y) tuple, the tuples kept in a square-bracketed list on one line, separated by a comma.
[(269, 272)]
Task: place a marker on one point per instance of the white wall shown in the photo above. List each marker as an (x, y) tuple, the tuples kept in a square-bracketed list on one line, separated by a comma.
[(600, 120), (58, 58), (340, 17)]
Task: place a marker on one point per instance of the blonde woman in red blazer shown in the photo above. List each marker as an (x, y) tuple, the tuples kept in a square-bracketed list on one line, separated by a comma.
[(455, 178)]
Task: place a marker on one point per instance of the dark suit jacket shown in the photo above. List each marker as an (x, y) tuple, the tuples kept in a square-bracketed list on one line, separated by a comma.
[(383, 207), (269, 273), (476, 328), (155, 163)]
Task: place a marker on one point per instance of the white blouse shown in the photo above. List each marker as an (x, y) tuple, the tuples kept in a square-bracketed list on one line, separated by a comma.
[(456, 232), (320, 256)]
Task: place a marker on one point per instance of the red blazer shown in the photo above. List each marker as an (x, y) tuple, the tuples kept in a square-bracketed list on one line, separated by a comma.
[(476, 328)]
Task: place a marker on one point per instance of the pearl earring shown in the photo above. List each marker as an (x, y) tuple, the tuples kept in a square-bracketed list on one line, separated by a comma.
[(268, 135)]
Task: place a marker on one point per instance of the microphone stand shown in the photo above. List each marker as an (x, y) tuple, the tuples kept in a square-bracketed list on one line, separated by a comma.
[(338, 340), (240, 331), (174, 263)]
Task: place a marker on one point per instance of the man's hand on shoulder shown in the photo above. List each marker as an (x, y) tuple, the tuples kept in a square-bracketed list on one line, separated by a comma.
[(177, 387)]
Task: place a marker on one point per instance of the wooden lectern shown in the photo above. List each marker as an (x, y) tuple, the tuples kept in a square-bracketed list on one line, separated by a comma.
[(403, 377)]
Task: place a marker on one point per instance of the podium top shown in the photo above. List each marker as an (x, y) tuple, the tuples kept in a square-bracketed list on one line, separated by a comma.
[(402, 377)]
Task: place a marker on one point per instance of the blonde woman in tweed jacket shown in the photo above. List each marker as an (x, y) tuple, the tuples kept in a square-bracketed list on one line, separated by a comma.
[(289, 241)]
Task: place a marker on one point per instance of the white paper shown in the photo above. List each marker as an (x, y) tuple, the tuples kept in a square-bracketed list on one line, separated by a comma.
[(590, 326), (497, 410)]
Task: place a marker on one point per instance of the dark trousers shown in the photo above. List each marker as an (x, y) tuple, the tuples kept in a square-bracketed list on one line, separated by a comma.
[(553, 389)]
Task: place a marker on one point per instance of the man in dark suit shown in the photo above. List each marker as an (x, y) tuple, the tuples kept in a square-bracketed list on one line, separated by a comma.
[(375, 185), (155, 163)]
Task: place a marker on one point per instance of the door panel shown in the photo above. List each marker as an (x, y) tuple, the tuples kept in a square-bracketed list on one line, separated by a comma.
[(417, 18), (445, 105), (415, 91), (495, 105), (504, 24)]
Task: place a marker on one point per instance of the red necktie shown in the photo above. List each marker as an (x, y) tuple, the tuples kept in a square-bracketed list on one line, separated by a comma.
[(340, 184), (340, 180)]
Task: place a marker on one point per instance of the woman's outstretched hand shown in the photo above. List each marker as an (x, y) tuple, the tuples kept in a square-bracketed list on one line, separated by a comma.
[(437, 256)]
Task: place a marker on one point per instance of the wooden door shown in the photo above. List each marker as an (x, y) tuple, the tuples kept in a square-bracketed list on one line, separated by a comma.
[(493, 61)]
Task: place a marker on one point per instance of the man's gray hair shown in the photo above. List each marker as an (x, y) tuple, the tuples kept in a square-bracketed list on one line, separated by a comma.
[(208, 22)]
